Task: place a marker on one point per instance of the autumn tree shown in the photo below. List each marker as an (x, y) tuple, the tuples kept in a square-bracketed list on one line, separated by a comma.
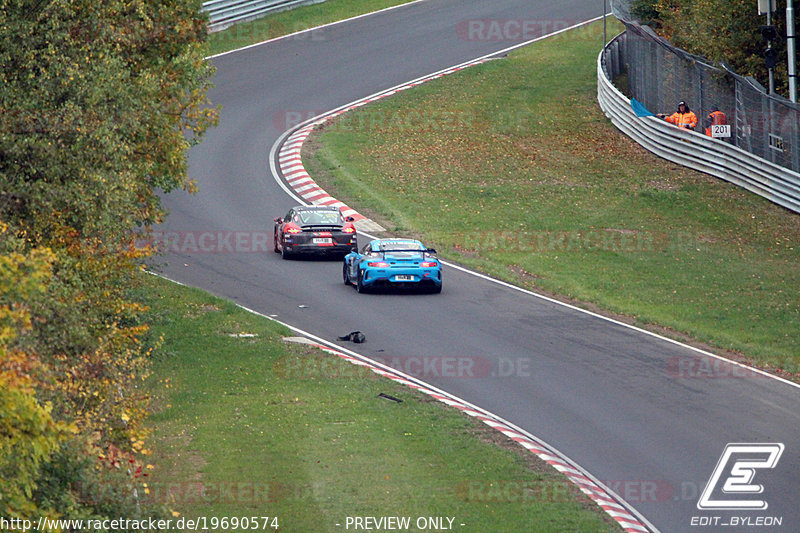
[(99, 102), (28, 433), (724, 31)]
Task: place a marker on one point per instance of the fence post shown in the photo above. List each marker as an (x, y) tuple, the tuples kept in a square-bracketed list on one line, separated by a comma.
[(795, 146)]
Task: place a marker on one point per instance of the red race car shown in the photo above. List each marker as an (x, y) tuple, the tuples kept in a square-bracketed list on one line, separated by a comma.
[(314, 230)]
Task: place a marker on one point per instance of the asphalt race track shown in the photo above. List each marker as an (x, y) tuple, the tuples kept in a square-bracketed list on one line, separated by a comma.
[(627, 406)]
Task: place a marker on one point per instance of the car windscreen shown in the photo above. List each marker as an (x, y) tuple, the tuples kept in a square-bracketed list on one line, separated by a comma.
[(320, 217)]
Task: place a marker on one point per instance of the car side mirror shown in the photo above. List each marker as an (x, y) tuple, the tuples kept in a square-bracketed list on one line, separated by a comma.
[(278, 220), (430, 251), (350, 219)]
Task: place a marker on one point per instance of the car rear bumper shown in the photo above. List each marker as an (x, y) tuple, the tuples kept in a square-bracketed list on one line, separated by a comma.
[(304, 248), (304, 244), (428, 277)]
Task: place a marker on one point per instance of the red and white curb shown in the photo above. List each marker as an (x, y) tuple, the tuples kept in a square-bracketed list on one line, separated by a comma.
[(291, 164), (298, 179), (592, 488)]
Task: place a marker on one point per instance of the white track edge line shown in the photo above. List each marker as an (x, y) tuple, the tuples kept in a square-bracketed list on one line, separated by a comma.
[(275, 175), (278, 144), (538, 442), (620, 323), (559, 455), (395, 88), (315, 28)]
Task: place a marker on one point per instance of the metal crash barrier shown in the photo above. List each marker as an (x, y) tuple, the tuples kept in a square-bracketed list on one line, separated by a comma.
[(225, 13)]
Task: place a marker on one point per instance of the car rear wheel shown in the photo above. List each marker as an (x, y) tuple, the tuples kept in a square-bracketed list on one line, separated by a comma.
[(360, 282), (285, 254), (345, 274), (275, 242)]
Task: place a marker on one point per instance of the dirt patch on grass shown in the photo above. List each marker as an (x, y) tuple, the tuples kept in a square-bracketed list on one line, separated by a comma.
[(523, 274)]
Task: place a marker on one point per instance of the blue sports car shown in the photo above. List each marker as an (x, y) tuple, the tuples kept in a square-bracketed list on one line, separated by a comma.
[(393, 263)]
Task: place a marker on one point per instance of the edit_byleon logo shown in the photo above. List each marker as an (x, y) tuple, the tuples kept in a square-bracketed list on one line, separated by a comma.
[(732, 486)]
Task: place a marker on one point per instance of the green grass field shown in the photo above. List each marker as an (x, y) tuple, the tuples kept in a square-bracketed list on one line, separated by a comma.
[(511, 168), (245, 425), (291, 21)]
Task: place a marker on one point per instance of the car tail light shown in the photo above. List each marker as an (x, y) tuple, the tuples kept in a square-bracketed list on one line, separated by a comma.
[(429, 264), (292, 228), (348, 228), (380, 264)]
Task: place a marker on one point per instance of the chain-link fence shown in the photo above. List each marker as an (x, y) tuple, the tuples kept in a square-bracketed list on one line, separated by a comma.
[(661, 75)]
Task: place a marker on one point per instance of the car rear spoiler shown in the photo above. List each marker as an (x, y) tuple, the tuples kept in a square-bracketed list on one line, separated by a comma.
[(429, 251), (320, 225)]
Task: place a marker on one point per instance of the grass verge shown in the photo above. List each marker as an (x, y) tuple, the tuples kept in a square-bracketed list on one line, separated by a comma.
[(511, 168), (246, 425), (291, 21)]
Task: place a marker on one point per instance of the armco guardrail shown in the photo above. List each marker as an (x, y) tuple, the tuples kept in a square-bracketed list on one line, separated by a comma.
[(224, 13), (692, 149)]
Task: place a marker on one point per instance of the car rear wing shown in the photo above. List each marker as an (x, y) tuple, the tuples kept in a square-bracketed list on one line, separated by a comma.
[(429, 251), (318, 226)]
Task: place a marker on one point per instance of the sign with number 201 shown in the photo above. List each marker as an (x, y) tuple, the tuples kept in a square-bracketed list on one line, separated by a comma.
[(720, 130)]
